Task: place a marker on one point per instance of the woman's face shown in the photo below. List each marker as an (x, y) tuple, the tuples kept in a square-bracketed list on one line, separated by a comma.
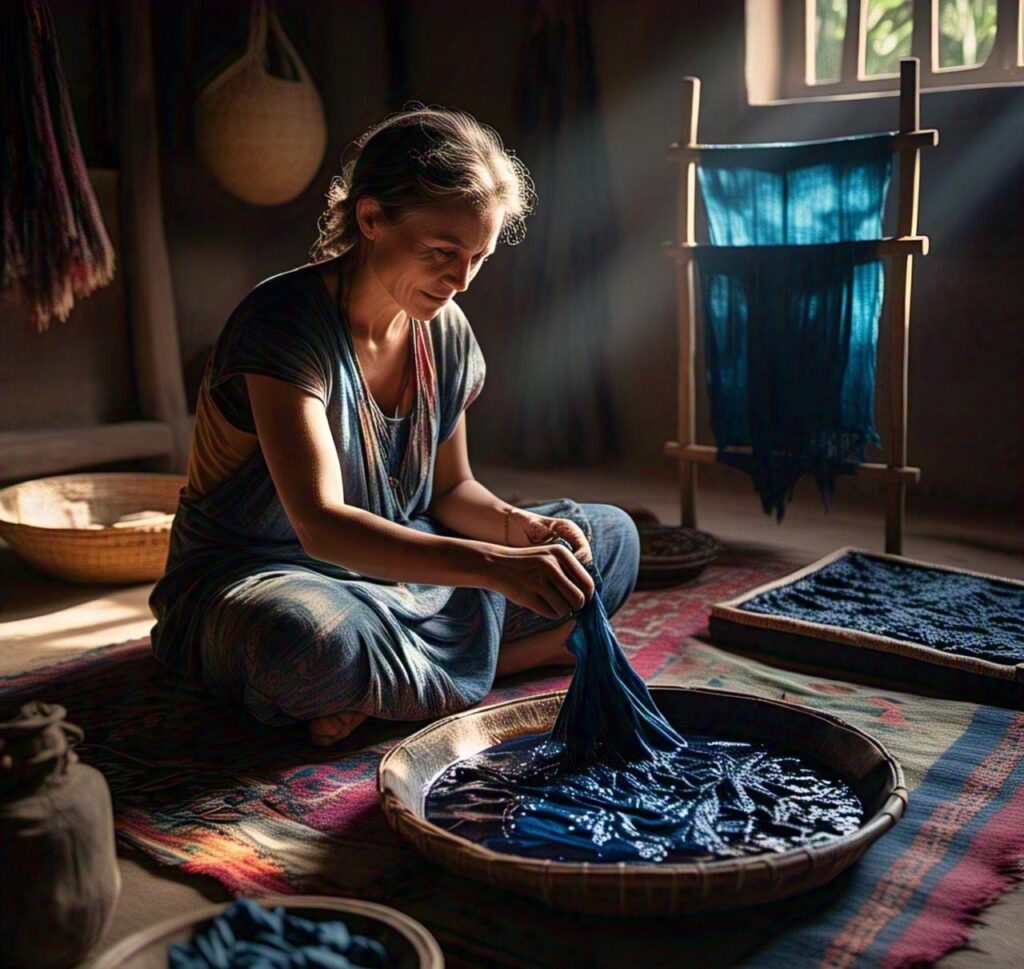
[(424, 258)]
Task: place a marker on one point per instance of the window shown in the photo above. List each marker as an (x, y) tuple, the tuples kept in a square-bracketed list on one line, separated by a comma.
[(843, 47)]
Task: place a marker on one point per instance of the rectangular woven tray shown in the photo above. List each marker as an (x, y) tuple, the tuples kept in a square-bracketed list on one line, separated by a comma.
[(844, 653)]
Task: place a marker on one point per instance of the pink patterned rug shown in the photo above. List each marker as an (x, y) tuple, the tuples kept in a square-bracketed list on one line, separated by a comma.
[(199, 786)]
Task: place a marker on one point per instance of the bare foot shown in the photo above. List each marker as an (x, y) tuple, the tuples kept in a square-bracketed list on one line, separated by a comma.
[(324, 731)]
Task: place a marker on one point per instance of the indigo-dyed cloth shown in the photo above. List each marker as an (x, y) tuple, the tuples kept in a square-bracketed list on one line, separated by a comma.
[(969, 615), (244, 612), (248, 936), (791, 333), (614, 781), (608, 715)]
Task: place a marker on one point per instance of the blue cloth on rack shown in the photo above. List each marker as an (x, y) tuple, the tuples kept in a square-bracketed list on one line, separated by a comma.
[(792, 331)]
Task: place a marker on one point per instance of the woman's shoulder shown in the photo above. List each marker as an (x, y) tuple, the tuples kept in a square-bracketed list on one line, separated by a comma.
[(300, 286), (451, 326), (289, 305), (455, 344)]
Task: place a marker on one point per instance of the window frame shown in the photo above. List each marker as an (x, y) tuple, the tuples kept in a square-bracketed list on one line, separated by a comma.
[(796, 36)]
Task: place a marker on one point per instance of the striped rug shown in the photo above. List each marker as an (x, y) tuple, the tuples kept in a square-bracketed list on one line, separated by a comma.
[(199, 786)]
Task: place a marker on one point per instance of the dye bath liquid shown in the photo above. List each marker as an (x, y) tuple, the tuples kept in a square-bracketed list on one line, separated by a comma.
[(615, 781), (712, 798)]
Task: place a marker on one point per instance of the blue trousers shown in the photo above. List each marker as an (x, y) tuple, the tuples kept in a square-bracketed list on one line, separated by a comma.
[(293, 643), (616, 546)]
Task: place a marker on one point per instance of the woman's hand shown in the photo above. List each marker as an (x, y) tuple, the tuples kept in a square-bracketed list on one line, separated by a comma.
[(547, 579), (526, 528)]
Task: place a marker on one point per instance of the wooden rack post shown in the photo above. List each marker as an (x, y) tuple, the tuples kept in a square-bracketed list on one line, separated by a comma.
[(686, 308), (899, 306), (894, 473)]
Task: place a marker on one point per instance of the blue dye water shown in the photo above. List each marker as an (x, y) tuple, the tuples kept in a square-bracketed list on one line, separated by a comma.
[(711, 798), (964, 614), (614, 781)]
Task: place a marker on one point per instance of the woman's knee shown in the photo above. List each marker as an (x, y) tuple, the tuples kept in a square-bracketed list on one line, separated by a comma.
[(616, 548), (613, 539), (288, 655)]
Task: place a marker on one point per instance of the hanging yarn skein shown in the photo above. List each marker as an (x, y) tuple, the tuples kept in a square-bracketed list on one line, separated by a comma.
[(55, 247), (262, 135)]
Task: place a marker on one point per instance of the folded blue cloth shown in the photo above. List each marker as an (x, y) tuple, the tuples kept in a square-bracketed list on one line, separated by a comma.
[(248, 936)]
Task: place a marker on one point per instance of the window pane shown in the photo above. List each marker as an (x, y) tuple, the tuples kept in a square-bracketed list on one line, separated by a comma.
[(887, 26), (829, 31), (967, 31)]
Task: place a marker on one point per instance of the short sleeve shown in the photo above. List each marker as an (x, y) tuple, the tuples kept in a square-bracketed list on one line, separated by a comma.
[(278, 331), (460, 366)]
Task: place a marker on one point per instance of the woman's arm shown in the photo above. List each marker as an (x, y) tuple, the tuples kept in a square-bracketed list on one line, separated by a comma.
[(465, 506), (300, 453)]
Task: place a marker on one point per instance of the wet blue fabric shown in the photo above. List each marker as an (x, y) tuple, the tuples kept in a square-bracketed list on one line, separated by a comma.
[(608, 714), (791, 327), (711, 797), (247, 936), (613, 781), (953, 612)]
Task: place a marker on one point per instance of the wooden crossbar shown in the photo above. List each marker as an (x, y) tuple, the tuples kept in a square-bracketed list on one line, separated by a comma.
[(864, 251), (902, 248), (705, 454), (901, 141)]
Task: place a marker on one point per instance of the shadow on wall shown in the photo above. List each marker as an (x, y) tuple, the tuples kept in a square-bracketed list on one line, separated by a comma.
[(220, 246), (966, 355)]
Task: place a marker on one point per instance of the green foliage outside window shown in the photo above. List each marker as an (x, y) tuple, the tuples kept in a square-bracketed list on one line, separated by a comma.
[(888, 25), (967, 31), (966, 35), (829, 31)]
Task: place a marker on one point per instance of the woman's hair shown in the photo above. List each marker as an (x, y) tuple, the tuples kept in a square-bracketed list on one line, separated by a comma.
[(419, 156)]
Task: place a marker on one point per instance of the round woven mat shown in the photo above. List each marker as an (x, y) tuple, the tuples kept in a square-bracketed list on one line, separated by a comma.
[(669, 554)]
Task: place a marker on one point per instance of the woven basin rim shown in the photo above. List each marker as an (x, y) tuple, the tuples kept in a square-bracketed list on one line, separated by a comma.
[(102, 478), (884, 818)]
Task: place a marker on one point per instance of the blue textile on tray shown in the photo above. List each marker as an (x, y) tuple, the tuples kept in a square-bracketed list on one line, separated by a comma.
[(791, 333), (954, 612)]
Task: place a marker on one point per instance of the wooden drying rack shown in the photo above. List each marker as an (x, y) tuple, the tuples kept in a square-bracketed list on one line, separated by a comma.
[(901, 249)]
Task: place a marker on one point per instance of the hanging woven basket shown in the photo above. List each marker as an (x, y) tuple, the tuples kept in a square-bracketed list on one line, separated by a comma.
[(262, 136)]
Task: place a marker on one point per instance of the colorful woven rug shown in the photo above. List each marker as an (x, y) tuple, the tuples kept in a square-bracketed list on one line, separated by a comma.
[(199, 786)]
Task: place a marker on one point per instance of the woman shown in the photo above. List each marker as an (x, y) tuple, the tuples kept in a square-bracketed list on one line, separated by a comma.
[(332, 556)]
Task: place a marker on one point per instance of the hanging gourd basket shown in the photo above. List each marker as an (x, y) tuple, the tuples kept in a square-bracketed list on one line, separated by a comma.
[(262, 136), (407, 772)]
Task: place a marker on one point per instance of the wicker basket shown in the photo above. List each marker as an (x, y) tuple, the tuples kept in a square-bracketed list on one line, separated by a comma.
[(409, 944), (112, 527), (262, 137), (407, 772)]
